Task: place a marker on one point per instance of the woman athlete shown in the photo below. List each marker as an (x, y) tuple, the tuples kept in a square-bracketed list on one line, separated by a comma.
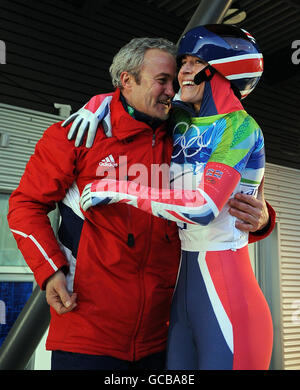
[(219, 316)]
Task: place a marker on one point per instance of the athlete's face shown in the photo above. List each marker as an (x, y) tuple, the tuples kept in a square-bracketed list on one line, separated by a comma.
[(151, 94), (190, 92)]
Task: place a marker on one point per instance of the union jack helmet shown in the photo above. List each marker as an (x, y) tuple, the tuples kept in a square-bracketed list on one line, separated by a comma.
[(230, 50)]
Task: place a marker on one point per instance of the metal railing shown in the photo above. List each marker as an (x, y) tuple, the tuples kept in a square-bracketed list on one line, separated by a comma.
[(26, 333)]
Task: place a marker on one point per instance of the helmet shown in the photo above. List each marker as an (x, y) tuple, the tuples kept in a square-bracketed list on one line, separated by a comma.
[(230, 50)]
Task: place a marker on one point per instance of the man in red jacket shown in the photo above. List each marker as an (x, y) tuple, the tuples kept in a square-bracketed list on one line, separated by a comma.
[(110, 274)]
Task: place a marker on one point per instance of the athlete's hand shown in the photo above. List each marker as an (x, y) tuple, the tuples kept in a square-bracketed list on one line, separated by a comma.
[(85, 121), (89, 199), (252, 212), (108, 191), (57, 294)]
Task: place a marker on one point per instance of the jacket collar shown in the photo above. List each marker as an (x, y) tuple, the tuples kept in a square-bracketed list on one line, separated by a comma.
[(124, 125)]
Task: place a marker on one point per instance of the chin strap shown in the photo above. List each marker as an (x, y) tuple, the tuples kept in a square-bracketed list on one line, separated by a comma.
[(206, 74)]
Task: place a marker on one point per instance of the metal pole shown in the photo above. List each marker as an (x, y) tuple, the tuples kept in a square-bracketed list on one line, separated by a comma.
[(208, 12), (26, 333)]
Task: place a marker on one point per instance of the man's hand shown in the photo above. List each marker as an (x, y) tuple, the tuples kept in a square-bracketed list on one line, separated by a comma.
[(252, 212), (57, 294)]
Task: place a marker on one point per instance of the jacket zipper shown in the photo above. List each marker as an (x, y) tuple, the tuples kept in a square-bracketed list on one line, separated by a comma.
[(167, 223), (130, 235), (141, 269), (153, 140)]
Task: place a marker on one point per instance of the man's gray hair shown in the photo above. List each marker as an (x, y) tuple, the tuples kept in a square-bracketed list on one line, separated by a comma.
[(131, 56)]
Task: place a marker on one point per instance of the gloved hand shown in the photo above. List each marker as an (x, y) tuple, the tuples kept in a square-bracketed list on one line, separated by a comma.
[(84, 121), (88, 199), (87, 119), (108, 191)]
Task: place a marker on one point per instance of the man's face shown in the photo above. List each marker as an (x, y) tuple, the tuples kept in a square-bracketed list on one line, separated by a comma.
[(190, 92), (152, 94)]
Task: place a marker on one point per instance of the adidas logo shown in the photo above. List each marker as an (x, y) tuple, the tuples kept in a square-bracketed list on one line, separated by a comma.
[(108, 162)]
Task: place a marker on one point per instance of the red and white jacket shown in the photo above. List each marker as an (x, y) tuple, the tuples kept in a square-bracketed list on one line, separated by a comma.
[(121, 261)]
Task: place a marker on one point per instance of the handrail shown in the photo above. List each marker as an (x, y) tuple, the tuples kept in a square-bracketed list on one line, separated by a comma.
[(26, 333)]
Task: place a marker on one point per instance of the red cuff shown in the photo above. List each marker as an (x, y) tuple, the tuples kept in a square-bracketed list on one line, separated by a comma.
[(44, 272)]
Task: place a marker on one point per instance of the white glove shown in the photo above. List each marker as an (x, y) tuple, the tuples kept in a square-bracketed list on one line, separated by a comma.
[(84, 121), (86, 197), (87, 121), (89, 199), (108, 191)]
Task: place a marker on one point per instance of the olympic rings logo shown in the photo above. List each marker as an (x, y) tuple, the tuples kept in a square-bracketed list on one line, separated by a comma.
[(186, 145)]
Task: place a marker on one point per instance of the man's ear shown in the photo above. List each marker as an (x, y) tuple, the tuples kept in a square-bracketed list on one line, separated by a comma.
[(126, 80)]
